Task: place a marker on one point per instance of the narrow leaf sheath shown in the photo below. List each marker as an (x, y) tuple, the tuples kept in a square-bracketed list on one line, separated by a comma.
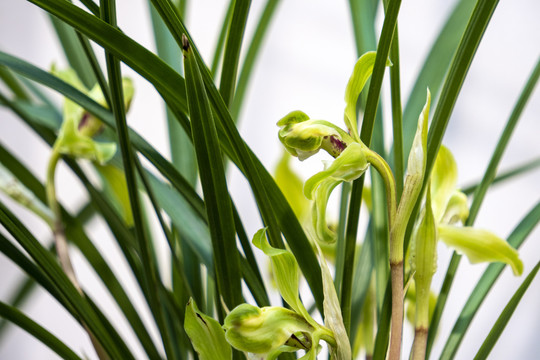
[(213, 181)]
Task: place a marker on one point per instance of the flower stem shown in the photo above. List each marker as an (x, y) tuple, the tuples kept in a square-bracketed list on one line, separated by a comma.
[(60, 240), (419, 344), (396, 260)]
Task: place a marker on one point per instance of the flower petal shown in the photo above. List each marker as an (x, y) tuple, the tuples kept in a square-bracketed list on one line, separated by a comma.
[(361, 73), (206, 335), (286, 273), (480, 246), (348, 166), (443, 181)]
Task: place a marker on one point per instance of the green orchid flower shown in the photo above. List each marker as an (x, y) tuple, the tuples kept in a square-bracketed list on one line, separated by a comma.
[(76, 139), (304, 137), (270, 331), (79, 126), (450, 208)]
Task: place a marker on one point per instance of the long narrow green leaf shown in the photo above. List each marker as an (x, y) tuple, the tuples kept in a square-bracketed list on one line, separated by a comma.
[(504, 139), (473, 34), (146, 149), (435, 67), (24, 322), (74, 52), (486, 282), (111, 342), (167, 83), (75, 233), (505, 316), (271, 202), (507, 175), (368, 123), (13, 84), (220, 43), (456, 75), (253, 50), (151, 277), (143, 61), (231, 58), (214, 184)]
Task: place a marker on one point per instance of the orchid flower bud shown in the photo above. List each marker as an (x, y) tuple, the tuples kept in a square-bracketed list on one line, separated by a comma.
[(263, 330), (303, 137)]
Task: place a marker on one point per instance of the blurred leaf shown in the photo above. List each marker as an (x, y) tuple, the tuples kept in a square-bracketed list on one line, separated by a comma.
[(505, 316), (17, 317)]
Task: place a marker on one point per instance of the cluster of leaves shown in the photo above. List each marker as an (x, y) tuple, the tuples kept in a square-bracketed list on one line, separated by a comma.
[(423, 205)]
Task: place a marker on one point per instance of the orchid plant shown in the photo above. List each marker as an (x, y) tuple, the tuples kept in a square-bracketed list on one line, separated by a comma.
[(345, 289)]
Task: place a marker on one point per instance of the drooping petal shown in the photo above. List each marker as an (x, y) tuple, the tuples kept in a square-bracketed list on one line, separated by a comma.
[(318, 215), (361, 73), (443, 181), (286, 273), (480, 246), (206, 335), (350, 165)]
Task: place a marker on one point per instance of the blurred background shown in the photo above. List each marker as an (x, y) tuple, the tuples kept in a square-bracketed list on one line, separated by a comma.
[(304, 65)]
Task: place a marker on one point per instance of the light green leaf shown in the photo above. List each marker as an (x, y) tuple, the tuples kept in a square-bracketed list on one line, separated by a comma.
[(361, 73), (332, 313), (206, 335), (263, 330), (480, 246), (443, 181), (286, 273)]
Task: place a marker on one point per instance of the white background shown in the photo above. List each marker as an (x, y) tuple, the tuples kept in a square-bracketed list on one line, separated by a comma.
[(305, 64)]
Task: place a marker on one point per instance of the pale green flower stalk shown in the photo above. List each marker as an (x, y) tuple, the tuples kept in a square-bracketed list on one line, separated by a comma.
[(75, 140)]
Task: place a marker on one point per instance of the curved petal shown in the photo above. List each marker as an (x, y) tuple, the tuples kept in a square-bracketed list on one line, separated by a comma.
[(286, 273), (318, 215), (480, 246), (206, 335), (348, 166), (361, 73)]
